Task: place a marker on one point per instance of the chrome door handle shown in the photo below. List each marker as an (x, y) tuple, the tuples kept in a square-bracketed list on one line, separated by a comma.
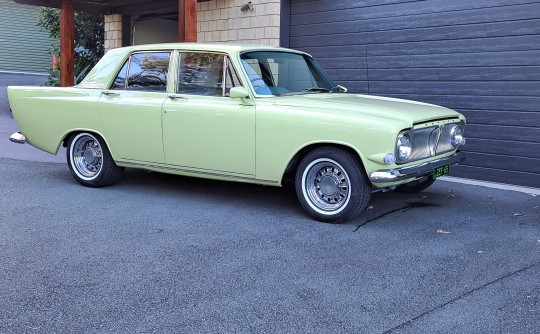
[(109, 93), (176, 97)]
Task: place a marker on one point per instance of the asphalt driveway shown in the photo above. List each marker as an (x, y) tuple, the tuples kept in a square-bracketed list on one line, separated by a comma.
[(161, 253)]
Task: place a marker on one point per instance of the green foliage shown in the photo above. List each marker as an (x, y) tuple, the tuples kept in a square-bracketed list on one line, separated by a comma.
[(89, 48)]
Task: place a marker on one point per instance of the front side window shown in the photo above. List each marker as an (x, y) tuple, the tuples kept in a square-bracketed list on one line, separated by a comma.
[(145, 72), (282, 73), (201, 74), (208, 74)]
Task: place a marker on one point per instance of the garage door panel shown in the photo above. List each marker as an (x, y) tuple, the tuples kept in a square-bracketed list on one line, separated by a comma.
[(482, 30), (307, 6), (317, 11), (504, 147), (461, 74), (497, 175), (511, 133), (504, 103), (348, 75), (518, 164), (475, 45), (343, 63), (508, 58), (354, 86), (508, 118), (337, 51), (483, 88), (311, 24)]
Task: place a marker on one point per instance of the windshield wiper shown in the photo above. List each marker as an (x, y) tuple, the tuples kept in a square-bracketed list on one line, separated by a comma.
[(317, 89), (307, 90)]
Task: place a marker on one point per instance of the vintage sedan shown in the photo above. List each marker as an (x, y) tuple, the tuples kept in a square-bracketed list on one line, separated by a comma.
[(243, 113)]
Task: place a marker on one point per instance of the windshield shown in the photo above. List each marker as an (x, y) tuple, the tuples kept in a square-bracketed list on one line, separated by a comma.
[(283, 73)]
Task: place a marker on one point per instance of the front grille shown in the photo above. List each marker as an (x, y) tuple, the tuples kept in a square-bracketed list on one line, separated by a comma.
[(430, 141), (445, 143), (424, 142)]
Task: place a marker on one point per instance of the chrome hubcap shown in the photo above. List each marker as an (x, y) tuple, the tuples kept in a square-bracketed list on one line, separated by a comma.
[(87, 156), (326, 185)]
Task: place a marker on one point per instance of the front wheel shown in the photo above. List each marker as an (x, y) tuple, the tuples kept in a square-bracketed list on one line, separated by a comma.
[(331, 185), (90, 161)]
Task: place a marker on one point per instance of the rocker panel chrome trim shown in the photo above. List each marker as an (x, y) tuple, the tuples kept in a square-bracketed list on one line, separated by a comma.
[(182, 169)]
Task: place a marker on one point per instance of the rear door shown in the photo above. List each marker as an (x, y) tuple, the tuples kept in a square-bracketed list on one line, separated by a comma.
[(131, 109)]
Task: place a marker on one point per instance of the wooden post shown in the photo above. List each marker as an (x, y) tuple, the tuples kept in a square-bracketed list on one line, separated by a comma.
[(187, 21), (67, 44)]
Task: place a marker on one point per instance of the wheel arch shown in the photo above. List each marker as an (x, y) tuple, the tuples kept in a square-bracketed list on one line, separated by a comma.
[(294, 161), (73, 132)]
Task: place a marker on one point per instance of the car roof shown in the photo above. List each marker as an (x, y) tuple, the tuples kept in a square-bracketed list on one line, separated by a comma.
[(218, 47)]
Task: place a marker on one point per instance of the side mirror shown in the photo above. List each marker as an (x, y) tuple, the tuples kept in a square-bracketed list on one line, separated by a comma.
[(341, 89), (238, 93)]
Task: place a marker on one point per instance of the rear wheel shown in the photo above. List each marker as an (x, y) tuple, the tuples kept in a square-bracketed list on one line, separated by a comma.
[(90, 161), (331, 185), (416, 185)]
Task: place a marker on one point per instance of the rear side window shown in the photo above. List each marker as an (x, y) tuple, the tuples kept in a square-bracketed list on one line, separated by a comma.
[(120, 80), (145, 72)]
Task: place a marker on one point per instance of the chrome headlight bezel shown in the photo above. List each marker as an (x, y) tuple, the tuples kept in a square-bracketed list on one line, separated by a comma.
[(457, 137), (403, 147)]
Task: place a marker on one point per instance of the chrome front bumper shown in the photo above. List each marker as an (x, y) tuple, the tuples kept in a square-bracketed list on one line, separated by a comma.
[(18, 138), (399, 174)]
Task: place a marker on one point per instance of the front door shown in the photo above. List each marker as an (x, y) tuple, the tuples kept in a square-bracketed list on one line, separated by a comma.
[(203, 129)]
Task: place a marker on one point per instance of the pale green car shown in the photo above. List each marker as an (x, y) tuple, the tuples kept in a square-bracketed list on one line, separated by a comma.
[(243, 113)]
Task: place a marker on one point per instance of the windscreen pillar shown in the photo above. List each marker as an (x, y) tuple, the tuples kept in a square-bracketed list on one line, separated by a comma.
[(67, 44), (187, 21)]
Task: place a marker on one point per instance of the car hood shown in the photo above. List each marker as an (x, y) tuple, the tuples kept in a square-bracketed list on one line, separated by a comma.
[(386, 107)]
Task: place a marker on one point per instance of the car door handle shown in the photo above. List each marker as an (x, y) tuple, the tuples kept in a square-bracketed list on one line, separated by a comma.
[(109, 93), (176, 97)]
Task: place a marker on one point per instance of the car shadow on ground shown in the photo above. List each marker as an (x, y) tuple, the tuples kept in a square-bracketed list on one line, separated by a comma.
[(281, 200)]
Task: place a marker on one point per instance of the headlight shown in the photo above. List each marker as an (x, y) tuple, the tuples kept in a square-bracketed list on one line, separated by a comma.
[(456, 136), (403, 147)]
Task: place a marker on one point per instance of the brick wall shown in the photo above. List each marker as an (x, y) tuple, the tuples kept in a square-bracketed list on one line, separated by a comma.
[(223, 21), (113, 31)]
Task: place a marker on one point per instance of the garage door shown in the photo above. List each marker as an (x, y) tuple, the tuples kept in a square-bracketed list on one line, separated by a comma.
[(24, 47), (481, 58)]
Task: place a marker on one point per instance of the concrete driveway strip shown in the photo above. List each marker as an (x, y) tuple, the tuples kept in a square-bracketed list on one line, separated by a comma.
[(160, 253)]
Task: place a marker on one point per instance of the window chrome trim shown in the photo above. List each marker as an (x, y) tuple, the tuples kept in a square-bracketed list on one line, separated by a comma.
[(239, 55), (128, 59), (225, 56)]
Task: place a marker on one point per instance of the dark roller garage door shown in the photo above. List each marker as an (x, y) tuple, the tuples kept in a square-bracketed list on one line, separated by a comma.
[(481, 58)]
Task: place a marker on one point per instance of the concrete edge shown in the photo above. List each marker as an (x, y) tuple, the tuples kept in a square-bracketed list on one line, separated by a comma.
[(25, 73), (493, 185)]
